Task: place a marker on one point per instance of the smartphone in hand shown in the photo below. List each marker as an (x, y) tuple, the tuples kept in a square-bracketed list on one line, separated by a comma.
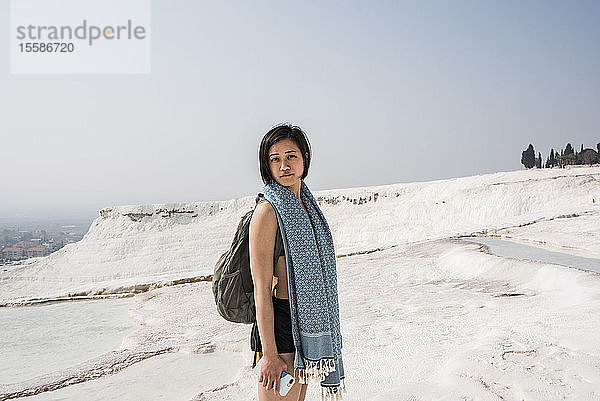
[(285, 382)]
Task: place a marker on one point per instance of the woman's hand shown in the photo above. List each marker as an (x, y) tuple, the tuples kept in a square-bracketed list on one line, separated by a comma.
[(270, 372)]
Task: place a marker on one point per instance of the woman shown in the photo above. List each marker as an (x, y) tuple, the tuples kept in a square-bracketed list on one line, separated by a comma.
[(298, 322)]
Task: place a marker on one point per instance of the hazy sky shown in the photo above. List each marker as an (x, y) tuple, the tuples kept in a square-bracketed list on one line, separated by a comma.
[(387, 92)]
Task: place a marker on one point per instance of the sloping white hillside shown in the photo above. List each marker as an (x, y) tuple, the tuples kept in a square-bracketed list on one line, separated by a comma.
[(435, 320), (136, 245), (424, 315)]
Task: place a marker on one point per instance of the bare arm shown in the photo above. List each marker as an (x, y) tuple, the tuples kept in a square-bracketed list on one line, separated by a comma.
[(263, 228)]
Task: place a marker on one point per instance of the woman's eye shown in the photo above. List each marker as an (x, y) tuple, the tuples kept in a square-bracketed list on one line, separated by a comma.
[(273, 160), (292, 156)]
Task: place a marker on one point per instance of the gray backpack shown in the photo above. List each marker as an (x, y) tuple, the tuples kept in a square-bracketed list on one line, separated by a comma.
[(232, 284)]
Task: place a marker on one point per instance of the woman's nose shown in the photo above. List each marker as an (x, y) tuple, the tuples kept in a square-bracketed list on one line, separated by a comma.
[(284, 165)]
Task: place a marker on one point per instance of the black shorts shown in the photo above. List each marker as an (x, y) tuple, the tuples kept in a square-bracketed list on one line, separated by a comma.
[(283, 328)]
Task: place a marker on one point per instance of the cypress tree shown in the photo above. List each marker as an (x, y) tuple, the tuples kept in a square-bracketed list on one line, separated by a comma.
[(528, 157), (568, 149)]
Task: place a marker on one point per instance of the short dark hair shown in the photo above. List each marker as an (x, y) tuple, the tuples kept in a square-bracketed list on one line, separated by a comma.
[(275, 134)]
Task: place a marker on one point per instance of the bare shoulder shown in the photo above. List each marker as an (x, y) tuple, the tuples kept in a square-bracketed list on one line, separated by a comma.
[(264, 216)]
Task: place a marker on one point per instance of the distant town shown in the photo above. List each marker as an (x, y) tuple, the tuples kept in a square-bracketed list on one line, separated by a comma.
[(29, 239)]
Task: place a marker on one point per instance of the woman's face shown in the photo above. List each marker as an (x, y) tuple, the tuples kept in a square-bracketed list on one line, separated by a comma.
[(286, 162)]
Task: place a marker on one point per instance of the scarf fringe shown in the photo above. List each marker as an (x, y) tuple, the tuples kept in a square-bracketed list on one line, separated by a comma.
[(319, 370), (333, 393), (315, 369)]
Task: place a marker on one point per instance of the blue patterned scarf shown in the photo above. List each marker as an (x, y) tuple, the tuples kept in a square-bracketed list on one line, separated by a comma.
[(312, 287)]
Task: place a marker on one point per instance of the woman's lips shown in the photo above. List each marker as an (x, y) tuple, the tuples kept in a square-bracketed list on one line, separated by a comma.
[(286, 175)]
